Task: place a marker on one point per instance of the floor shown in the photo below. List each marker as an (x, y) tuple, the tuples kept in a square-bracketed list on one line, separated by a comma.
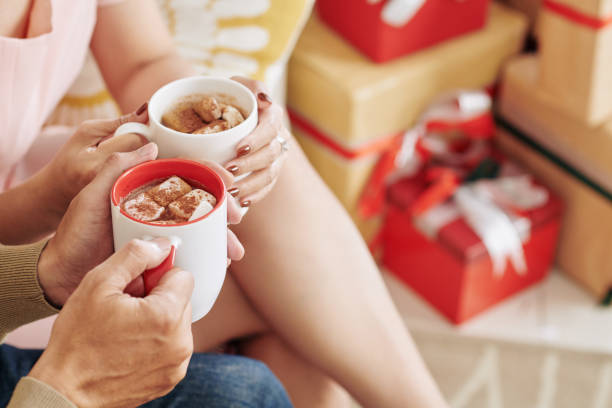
[(548, 347)]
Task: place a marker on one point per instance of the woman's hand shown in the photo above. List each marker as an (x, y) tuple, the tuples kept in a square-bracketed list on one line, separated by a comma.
[(84, 238), (81, 158), (262, 153)]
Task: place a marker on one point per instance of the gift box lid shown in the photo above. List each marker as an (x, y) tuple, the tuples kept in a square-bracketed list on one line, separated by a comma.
[(390, 29), (355, 101), (457, 235)]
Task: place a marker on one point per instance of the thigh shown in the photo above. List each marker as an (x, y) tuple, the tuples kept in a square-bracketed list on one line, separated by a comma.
[(225, 381), (231, 317), (14, 364), (306, 268)]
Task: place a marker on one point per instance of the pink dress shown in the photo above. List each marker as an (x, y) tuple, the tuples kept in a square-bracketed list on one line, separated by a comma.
[(36, 72)]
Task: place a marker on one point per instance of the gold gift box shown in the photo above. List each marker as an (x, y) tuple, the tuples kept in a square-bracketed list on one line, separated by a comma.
[(355, 100), (576, 59), (586, 235), (345, 177), (531, 8)]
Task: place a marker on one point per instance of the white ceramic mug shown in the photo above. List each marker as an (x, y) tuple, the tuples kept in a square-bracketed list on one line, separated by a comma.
[(219, 147), (199, 246)]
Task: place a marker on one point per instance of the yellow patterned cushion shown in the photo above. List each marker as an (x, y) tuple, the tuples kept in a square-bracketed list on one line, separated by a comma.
[(252, 38)]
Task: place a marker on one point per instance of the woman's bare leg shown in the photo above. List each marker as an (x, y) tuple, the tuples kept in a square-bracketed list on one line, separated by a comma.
[(306, 385), (233, 317), (309, 274)]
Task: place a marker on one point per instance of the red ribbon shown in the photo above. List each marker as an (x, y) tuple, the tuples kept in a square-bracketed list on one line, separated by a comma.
[(372, 199), (577, 16), (377, 146), (373, 196)]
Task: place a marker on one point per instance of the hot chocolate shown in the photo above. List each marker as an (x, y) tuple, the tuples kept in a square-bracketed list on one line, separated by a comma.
[(202, 114), (168, 201)]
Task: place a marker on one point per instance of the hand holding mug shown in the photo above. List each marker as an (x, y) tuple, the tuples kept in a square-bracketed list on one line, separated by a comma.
[(262, 153), (253, 151), (84, 238), (110, 349), (82, 157)]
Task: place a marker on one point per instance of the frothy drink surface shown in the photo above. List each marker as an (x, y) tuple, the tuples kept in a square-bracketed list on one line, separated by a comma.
[(202, 114), (168, 201)]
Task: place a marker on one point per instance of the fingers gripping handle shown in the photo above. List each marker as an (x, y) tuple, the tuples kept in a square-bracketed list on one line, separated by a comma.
[(137, 128)]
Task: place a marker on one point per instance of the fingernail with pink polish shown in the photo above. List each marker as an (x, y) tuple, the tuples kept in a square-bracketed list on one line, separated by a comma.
[(264, 97), (142, 108), (244, 150)]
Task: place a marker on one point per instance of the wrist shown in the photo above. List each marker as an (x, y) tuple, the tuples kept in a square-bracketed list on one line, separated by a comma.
[(56, 374), (48, 276), (47, 193)]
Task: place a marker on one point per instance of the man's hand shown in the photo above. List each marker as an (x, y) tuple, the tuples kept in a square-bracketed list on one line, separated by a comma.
[(113, 350), (84, 238)]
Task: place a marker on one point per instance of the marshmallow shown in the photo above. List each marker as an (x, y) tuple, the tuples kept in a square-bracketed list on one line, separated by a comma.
[(195, 204), (208, 109), (212, 127), (182, 118), (232, 116), (143, 208), (169, 190)]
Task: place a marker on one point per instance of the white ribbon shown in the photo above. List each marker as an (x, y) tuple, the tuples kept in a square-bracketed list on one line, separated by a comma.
[(494, 227), (482, 204)]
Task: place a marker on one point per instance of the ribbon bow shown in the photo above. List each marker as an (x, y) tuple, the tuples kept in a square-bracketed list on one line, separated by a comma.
[(492, 209), (468, 112)]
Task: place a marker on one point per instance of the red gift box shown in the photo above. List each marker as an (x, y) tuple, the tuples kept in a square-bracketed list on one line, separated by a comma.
[(363, 24), (452, 269)]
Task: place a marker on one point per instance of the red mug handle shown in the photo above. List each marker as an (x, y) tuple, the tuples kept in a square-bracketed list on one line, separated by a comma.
[(153, 276)]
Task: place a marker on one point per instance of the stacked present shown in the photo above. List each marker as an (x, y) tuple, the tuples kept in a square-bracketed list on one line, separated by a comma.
[(558, 112), (346, 110), (531, 8), (464, 226)]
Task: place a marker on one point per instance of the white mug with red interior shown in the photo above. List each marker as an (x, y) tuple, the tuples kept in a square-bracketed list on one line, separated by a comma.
[(219, 147), (199, 246)]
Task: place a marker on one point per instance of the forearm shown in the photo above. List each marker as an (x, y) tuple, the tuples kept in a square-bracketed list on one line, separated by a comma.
[(135, 56), (27, 212), (144, 81)]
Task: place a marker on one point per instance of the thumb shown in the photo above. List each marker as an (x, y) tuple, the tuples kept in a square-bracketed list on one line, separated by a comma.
[(106, 127), (116, 273), (117, 163)]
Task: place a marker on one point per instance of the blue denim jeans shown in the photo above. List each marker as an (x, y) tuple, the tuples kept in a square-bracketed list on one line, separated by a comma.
[(212, 381)]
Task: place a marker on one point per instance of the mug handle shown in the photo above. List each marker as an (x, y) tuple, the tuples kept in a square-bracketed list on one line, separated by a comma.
[(152, 276), (135, 127)]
